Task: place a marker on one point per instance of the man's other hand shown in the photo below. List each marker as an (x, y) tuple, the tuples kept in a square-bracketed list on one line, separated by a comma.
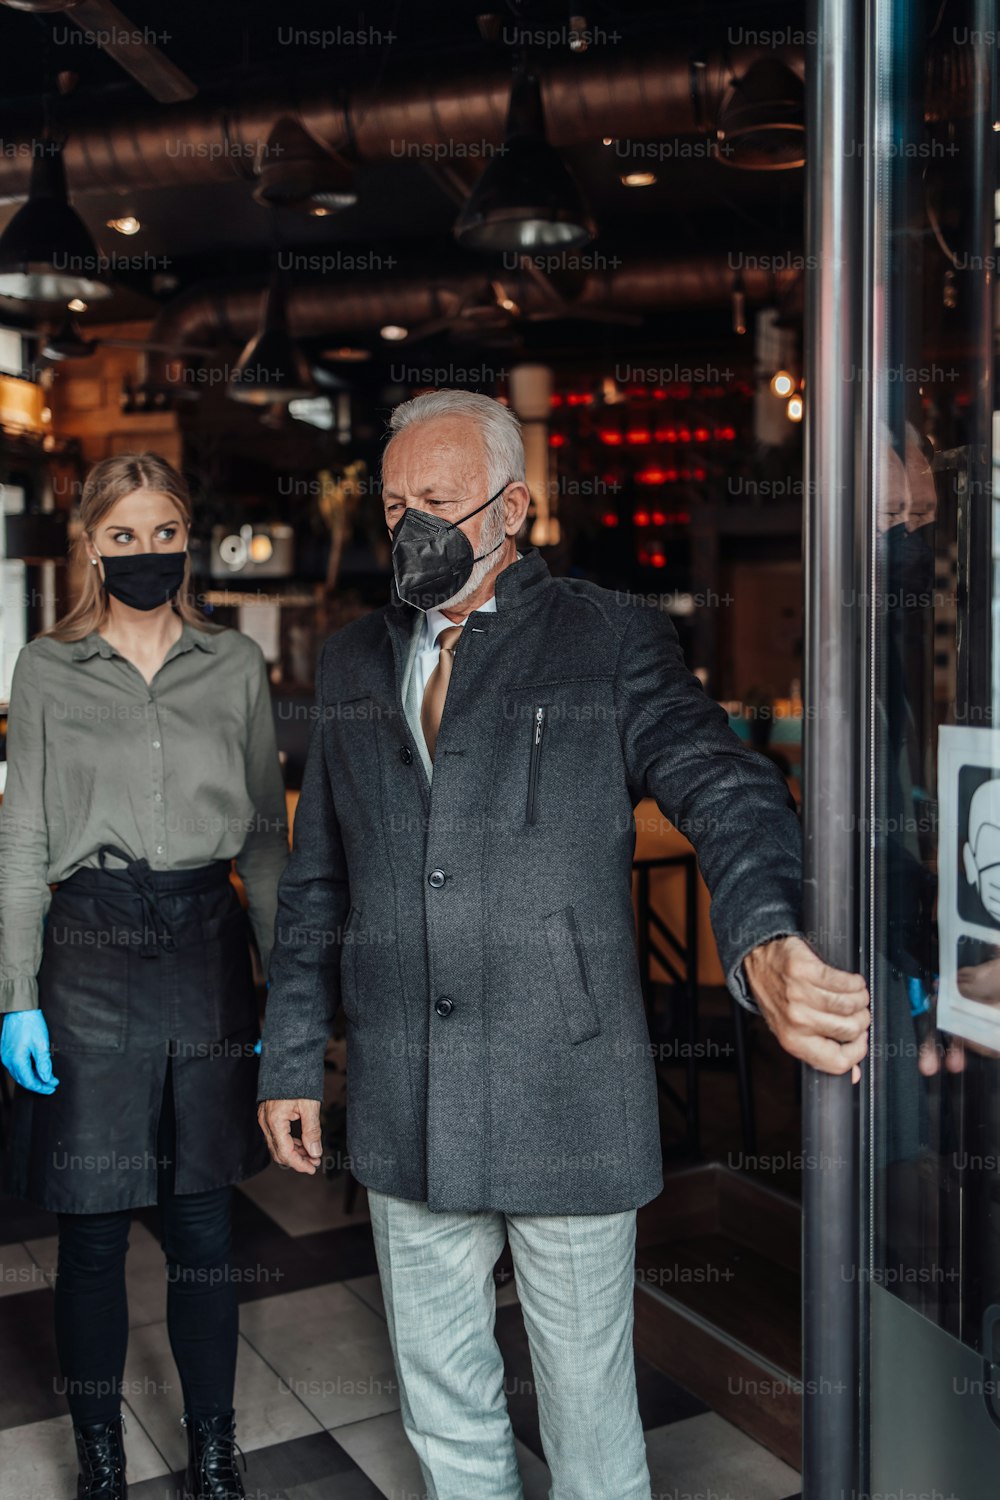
[(819, 1014), (275, 1118)]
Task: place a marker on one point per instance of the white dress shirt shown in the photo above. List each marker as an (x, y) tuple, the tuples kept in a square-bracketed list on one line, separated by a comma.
[(435, 620), (421, 661)]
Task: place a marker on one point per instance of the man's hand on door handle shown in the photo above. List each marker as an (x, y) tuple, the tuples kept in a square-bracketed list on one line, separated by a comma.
[(819, 1014)]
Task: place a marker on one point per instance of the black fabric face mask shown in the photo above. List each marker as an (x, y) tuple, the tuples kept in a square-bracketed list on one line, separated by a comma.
[(145, 580), (431, 558)]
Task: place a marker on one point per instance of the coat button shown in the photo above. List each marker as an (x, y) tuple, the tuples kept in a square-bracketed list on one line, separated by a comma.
[(436, 879), (444, 1005), (405, 754)]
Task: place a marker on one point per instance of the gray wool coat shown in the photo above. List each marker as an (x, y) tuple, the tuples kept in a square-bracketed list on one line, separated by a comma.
[(479, 928)]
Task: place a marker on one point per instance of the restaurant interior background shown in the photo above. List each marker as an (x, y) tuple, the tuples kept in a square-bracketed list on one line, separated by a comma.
[(283, 224)]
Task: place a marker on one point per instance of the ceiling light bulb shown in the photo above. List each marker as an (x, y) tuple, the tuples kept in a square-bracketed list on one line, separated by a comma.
[(638, 179), (128, 224), (782, 383), (794, 409), (393, 332)]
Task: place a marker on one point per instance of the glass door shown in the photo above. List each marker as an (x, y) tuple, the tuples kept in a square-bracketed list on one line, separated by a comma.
[(931, 1287)]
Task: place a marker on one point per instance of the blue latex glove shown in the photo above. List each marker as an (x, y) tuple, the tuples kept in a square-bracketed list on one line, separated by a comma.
[(258, 1044), (24, 1051)]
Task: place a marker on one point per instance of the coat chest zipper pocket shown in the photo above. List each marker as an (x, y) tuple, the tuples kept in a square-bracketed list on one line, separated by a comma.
[(538, 724)]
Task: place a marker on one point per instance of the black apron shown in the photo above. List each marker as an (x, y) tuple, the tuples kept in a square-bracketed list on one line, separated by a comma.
[(139, 967)]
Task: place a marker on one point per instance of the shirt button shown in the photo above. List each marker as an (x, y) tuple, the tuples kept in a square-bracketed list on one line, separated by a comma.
[(444, 1005), (405, 754), (159, 848), (156, 744), (159, 796), (436, 879)]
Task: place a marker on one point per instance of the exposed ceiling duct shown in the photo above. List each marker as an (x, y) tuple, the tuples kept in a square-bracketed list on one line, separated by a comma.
[(214, 137), (230, 315)]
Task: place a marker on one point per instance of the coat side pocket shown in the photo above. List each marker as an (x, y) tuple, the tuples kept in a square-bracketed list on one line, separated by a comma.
[(349, 964), (569, 964)]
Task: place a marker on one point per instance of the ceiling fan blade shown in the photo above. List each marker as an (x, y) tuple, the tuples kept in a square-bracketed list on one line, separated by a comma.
[(604, 315), (569, 313), (427, 330), (146, 346), (122, 40)]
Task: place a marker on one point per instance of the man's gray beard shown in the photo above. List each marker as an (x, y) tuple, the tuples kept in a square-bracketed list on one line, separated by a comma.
[(494, 532)]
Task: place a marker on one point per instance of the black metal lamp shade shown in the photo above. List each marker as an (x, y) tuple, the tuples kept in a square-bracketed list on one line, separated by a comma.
[(272, 367), (527, 198), (47, 253)]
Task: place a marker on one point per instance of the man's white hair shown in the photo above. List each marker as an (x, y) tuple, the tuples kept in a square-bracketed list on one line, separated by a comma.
[(499, 426)]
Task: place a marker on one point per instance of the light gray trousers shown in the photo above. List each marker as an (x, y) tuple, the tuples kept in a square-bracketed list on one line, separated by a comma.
[(575, 1281)]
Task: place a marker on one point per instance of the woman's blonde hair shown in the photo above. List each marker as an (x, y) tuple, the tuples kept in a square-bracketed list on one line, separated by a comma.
[(108, 482)]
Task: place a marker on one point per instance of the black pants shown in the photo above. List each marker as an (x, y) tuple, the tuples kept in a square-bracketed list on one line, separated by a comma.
[(91, 1311)]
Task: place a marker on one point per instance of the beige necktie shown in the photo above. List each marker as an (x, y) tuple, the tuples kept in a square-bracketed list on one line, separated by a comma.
[(436, 690)]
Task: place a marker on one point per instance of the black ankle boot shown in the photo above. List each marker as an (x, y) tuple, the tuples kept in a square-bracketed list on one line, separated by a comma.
[(211, 1471), (101, 1453)]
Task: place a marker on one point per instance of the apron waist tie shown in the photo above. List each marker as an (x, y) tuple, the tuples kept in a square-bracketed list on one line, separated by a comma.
[(155, 928)]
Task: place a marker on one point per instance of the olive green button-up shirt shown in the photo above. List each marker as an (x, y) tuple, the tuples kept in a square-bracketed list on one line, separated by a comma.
[(179, 771)]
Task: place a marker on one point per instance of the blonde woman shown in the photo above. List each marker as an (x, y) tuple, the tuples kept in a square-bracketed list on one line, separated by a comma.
[(141, 761)]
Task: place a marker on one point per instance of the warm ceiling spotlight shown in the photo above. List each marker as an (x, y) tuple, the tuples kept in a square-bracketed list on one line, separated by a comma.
[(638, 179), (739, 296), (608, 140), (393, 332), (347, 354), (794, 409), (782, 383), (527, 198), (579, 38), (77, 305), (127, 224)]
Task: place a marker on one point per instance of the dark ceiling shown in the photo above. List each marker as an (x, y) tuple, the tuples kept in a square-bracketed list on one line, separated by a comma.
[(207, 233)]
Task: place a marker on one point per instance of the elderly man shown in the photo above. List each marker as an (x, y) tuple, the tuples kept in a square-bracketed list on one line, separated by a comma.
[(460, 879)]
